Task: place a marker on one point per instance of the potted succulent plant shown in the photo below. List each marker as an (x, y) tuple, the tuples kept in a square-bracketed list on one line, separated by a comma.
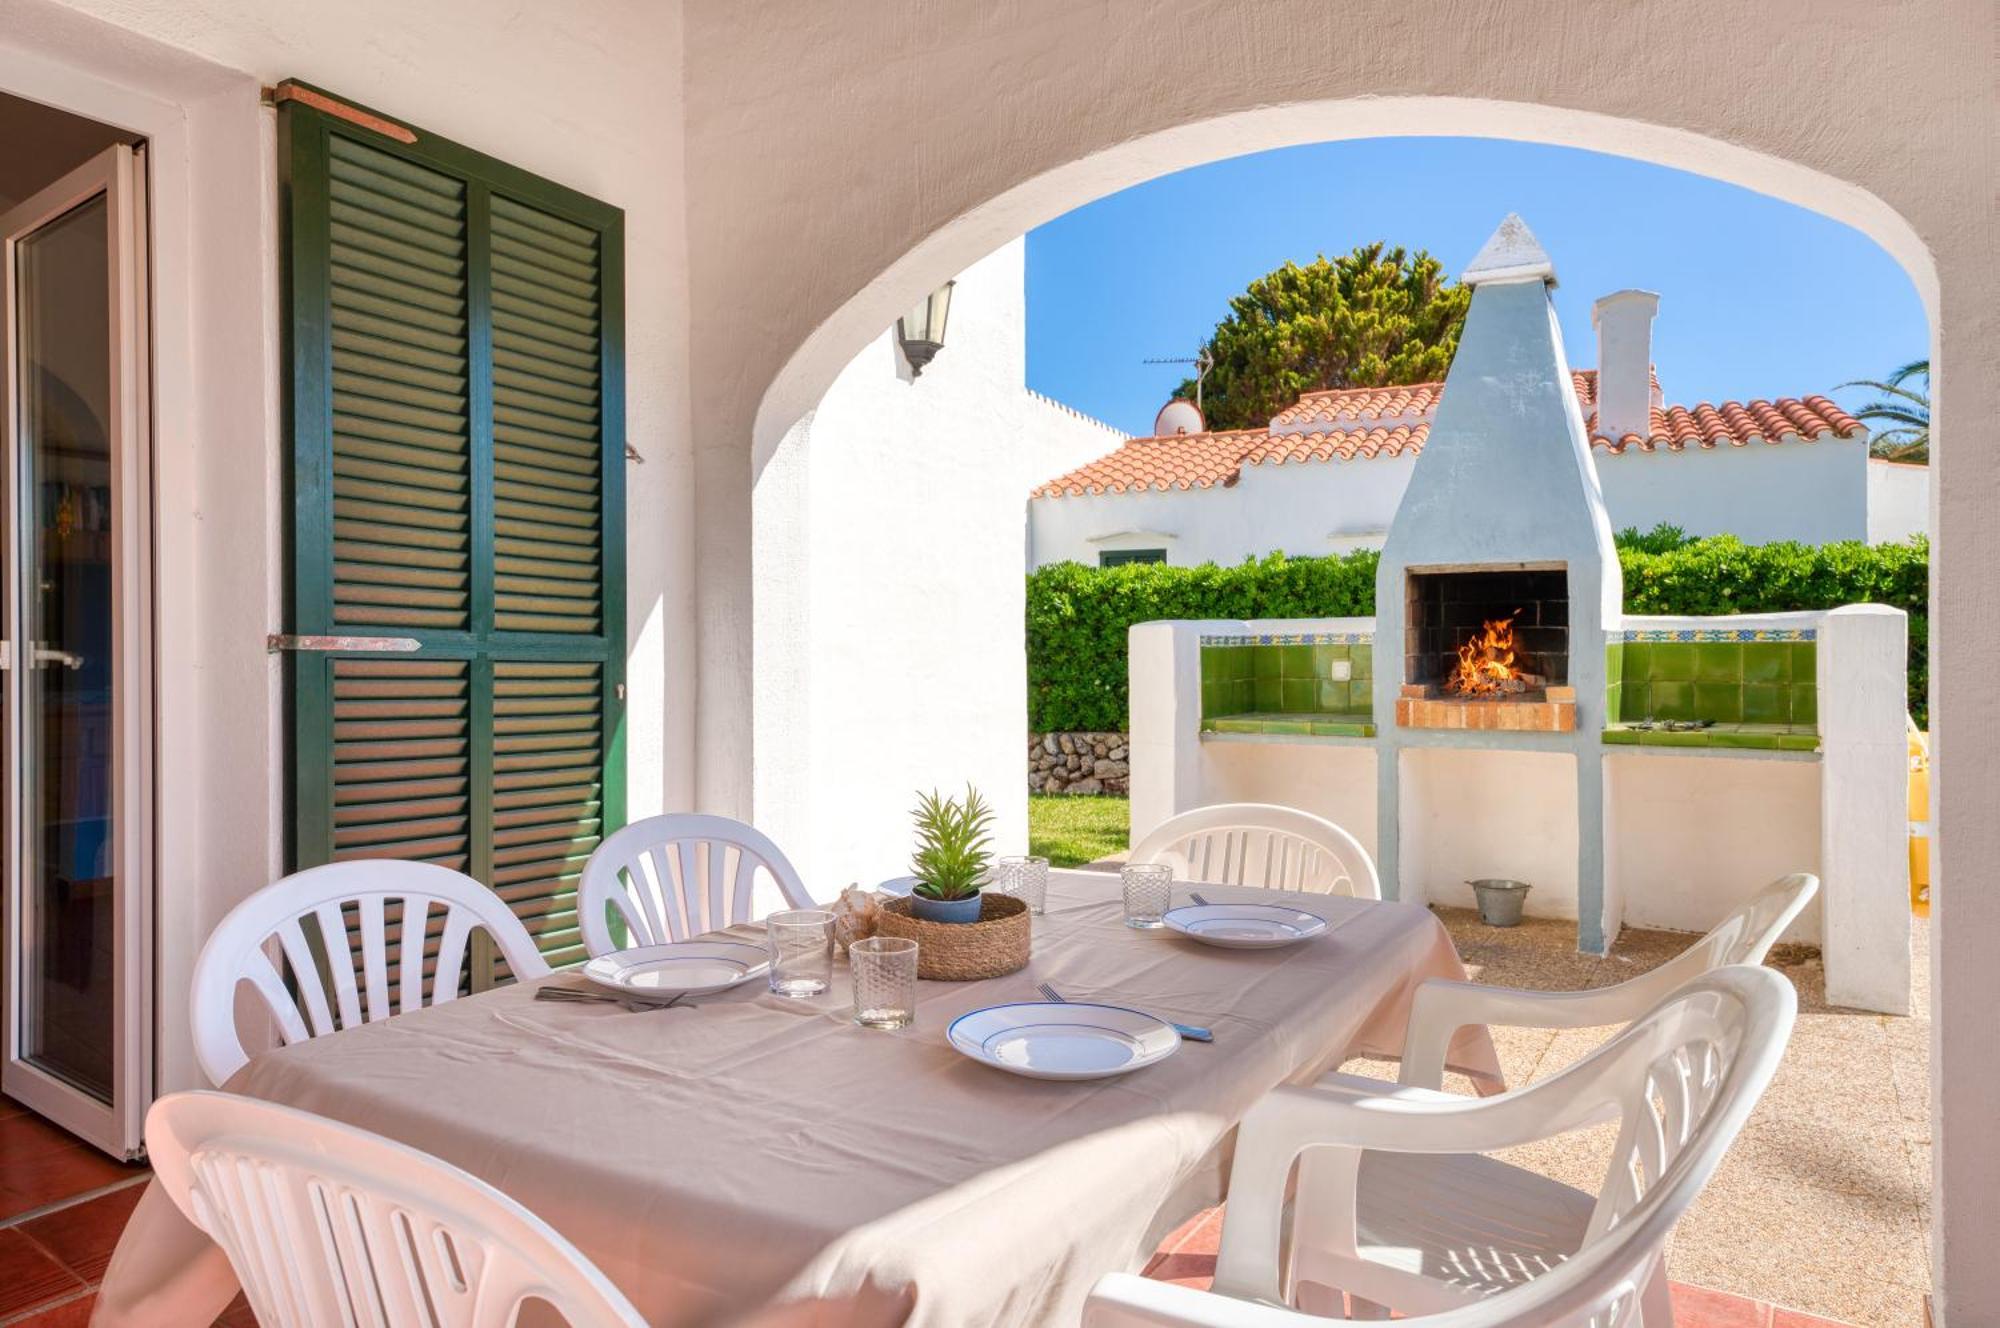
[(952, 855)]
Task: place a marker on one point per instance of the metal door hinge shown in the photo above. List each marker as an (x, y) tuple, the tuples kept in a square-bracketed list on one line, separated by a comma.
[(278, 641)]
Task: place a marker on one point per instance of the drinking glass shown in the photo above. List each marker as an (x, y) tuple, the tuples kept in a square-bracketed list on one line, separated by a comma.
[(1149, 887), (885, 981), (800, 942), (1027, 879)]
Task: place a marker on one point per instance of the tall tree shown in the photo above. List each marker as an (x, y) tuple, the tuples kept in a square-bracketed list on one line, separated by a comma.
[(1371, 318), (1903, 407)]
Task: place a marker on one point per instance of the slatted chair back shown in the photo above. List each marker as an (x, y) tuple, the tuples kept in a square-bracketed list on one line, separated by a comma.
[(327, 1224), (318, 947), (1263, 845), (668, 878)]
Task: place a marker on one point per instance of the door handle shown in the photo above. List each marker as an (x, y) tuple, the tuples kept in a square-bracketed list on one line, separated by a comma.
[(41, 655), (278, 641)]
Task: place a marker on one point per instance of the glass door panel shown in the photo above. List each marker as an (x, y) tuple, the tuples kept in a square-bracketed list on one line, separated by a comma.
[(67, 871), (76, 971)]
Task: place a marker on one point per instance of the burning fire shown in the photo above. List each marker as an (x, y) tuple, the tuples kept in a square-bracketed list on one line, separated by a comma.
[(1486, 662)]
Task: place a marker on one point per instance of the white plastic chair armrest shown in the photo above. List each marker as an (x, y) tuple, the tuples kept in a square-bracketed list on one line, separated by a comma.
[(1289, 1121), (1123, 1300), (1360, 1085), (1441, 1007)]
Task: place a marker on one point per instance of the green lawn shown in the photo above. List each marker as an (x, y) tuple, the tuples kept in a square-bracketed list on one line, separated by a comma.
[(1072, 831)]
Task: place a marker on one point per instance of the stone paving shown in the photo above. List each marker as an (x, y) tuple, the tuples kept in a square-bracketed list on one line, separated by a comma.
[(1823, 1203)]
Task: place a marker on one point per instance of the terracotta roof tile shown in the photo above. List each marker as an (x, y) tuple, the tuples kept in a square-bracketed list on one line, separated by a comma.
[(1205, 460), (1184, 461)]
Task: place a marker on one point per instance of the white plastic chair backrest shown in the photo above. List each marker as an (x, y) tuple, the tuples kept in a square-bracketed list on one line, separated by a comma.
[(1745, 936), (675, 876), (1264, 845), (326, 1224), (1682, 1080), (376, 903)]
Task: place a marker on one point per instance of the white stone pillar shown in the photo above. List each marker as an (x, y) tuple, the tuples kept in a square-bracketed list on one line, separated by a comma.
[(1864, 823), (1163, 669)]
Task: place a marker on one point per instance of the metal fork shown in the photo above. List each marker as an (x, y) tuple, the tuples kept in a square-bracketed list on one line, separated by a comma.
[(1196, 896), (1188, 1031), (572, 995)]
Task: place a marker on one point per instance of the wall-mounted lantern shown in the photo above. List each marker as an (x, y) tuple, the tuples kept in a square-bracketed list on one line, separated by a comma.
[(921, 331)]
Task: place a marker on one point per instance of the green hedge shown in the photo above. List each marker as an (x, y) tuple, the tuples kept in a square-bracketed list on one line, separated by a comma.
[(1078, 616)]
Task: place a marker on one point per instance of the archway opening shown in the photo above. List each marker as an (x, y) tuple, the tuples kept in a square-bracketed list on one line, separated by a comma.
[(794, 605)]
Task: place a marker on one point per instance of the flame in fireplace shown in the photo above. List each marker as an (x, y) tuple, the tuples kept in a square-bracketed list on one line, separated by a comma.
[(1486, 662)]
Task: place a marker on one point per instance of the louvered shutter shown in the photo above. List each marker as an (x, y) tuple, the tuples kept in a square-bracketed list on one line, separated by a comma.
[(456, 456)]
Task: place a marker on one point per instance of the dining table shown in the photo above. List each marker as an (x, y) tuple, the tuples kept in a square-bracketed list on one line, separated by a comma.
[(748, 1158)]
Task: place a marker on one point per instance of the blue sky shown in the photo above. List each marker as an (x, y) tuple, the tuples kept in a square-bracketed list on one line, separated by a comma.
[(1757, 297)]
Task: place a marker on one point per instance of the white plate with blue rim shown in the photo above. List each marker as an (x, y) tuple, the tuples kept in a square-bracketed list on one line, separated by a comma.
[(1069, 1041), (1246, 926), (684, 968)]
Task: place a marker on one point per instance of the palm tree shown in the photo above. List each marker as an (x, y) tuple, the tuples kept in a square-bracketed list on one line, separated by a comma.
[(1906, 409)]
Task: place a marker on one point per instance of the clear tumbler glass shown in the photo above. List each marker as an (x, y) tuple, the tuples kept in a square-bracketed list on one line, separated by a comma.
[(800, 942), (1027, 879), (885, 981), (1149, 887)]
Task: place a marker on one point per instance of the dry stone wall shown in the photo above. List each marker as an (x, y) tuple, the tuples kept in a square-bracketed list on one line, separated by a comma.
[(1079, 763)]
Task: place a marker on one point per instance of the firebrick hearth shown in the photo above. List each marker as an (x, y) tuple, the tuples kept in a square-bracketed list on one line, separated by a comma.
[(1488, 649)]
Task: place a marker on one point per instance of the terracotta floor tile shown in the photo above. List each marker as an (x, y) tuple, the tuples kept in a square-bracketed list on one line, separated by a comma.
[(82, 1236), (69, 1314), (9, 1107), (29, 1277), (35, 1179), (1798, 1319), (1699, 1307), (26, 1134)]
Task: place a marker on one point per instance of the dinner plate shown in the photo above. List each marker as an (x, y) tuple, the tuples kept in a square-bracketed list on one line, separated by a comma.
[(1246, 926), (1068, 1041), (684, 968)]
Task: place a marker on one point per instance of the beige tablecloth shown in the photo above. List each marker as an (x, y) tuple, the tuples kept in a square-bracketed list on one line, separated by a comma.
[(762, 1160)]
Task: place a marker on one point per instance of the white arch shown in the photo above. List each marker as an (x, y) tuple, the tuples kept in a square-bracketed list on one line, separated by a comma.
[(955, 245)]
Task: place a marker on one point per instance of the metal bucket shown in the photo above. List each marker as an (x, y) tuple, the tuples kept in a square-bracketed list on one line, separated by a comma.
[(1500, 900)]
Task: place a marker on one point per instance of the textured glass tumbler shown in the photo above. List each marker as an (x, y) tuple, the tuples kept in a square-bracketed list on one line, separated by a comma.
[(1149, 887), (800, 942), (1027, 879), (885, 981)]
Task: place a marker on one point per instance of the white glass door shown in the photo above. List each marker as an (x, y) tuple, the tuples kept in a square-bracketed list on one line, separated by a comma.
[(76, 969)]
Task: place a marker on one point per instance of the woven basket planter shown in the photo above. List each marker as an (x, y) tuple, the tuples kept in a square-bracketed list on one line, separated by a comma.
[(992, 947)]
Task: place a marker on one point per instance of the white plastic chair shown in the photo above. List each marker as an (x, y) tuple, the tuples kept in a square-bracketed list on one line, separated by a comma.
[(326, 1224), (1441, 1007), (675, 876), (1261, 844), (239, 951), (1398, 1206)]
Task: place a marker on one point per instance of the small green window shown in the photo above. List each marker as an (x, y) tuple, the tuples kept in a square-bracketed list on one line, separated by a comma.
[(1119, 557)]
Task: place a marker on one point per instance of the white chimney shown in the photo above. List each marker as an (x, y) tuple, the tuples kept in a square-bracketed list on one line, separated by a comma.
[(1625, 395)]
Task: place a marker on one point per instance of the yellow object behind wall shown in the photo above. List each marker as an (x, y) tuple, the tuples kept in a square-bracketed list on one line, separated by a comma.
[(1920, 821)]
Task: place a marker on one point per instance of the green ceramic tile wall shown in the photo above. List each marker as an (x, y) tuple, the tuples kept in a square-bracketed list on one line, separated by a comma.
[(1286, 679), (1727, 682)]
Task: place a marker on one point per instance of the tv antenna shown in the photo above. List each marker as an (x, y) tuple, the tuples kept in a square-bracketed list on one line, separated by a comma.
[(1202, 360)]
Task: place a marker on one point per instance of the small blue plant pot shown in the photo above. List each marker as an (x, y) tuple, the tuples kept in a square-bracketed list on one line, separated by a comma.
[(946, 910)]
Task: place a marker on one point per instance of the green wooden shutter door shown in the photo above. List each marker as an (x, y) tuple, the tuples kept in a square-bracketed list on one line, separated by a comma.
[(456, 480)]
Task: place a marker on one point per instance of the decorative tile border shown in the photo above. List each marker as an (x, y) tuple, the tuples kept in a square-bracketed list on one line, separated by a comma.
[(1657, 634), (1294, 639)]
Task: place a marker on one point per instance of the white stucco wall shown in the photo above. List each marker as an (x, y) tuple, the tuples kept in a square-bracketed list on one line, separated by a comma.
[(1758, 819), (1899, 501), (891, 539), (1813, 492), (593, 102)]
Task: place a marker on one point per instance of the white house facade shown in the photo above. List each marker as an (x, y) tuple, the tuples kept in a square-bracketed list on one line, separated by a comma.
[(888, 562), (1328, 474)]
